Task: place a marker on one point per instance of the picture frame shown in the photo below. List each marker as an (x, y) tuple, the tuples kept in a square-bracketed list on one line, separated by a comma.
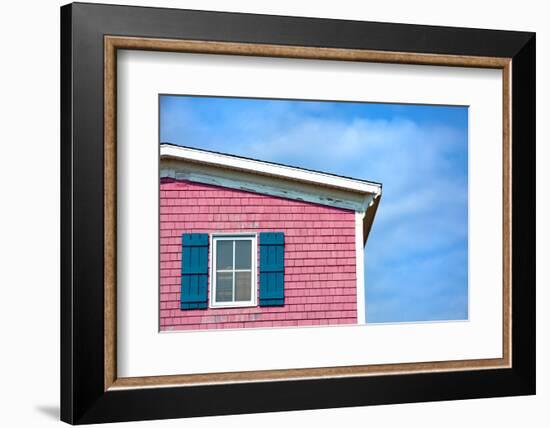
[(91, 391)]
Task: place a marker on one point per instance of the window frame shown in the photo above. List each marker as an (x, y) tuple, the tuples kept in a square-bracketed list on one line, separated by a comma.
[(214, 237)]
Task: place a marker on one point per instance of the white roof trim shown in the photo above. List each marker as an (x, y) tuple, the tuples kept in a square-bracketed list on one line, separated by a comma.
[(271, 169)]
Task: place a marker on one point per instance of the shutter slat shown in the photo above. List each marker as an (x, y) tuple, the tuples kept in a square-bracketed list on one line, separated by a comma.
[(272, 266), (194, 271), (272, 238)]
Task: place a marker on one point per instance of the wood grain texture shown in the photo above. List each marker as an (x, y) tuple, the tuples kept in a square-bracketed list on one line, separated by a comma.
[(301, 52), (112, 43), (109, 196), (507, 213), (297, 374)]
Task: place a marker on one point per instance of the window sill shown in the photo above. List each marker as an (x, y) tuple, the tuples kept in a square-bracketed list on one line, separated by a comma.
[(232, 305)]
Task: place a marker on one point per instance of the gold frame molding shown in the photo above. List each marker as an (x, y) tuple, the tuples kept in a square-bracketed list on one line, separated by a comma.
[(113, 43)]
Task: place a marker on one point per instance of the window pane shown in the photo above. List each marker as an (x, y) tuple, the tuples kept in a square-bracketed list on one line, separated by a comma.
[(243, 257), (224, 255), (224, 287), (242, 286)]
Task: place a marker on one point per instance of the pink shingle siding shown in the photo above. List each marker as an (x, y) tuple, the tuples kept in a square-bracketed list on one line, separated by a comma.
[(320, 263)]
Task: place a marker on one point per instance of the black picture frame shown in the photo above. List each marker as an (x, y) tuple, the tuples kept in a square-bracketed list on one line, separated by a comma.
[(83, 399)]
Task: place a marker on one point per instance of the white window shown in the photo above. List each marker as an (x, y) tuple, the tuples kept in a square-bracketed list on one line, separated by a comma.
[(233, 273)]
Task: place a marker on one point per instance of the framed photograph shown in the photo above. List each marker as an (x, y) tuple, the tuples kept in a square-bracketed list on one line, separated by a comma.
[(266, 213)]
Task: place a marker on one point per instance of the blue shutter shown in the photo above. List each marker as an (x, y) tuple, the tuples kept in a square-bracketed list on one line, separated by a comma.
[(194, 271), (272, 268)]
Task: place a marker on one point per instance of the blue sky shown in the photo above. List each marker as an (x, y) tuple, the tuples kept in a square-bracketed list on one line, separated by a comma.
[(416, 258)]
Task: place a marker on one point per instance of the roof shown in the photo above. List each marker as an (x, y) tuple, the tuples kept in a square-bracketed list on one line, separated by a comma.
[(168, 150), (259, 176)]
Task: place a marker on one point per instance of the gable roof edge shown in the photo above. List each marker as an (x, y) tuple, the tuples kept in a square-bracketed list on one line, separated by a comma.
[(169, 151)]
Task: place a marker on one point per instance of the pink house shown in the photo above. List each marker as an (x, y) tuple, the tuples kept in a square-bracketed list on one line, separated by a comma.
[(246, 243)]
